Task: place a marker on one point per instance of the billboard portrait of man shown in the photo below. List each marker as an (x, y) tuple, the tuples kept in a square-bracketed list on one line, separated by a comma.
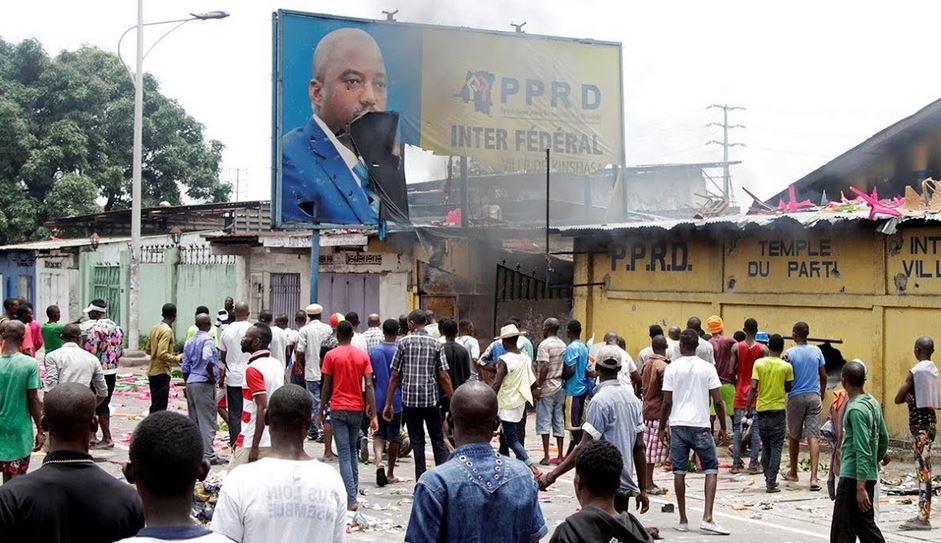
[(322, 176)]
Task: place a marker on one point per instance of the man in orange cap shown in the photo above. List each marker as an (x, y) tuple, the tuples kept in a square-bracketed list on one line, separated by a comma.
[(722, 351)]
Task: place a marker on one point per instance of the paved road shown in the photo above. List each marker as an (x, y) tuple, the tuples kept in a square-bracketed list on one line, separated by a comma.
[(795, 515)]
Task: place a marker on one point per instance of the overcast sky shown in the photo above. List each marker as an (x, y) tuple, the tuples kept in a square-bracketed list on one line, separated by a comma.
[(817, 77)]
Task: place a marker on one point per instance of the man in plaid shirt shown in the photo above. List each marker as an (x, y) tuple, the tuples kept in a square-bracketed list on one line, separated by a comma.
[(420, 366)]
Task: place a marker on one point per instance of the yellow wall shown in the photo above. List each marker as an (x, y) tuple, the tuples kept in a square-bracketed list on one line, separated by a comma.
[(842, 281)]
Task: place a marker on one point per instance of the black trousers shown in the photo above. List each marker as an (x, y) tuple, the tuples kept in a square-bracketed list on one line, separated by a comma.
[(415, 418), (159, 392), (848, 521), (233, 398)]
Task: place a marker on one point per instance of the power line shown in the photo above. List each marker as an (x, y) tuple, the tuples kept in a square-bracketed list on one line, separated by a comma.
[(787, 152)]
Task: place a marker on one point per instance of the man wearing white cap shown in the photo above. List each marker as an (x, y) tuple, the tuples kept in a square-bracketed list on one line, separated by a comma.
[(307, 354), (614, 415), (513, 385), (103, 338)]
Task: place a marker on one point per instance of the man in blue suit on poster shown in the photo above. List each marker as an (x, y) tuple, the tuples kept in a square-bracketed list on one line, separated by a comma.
[(323, 179)]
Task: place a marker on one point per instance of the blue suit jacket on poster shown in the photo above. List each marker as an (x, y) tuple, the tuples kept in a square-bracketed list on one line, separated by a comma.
[(317, 186)]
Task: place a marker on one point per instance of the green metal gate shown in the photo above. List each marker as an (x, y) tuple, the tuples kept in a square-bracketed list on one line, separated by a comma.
[(106, 284)]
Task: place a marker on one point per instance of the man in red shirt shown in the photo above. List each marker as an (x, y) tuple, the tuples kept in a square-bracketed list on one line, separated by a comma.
[(347, 372), (744, 355)]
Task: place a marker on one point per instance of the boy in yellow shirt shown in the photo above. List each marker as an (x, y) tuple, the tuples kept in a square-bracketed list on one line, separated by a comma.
[(771, 380)]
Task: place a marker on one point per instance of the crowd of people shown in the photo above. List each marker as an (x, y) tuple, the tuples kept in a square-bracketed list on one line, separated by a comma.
[(323, 380)]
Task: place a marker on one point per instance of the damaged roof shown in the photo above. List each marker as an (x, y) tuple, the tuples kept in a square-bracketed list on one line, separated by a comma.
[(806, 220)]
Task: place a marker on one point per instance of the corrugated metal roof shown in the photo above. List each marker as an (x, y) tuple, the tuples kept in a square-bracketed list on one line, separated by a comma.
[(50, 244), (805, 219)]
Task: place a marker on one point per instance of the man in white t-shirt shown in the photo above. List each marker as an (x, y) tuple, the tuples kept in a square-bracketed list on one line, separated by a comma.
[(465, 329), (294, 375), (279, 342), (628, 375), (230, 352), (307, 355), (704, 349), (263, 376), (286, 496), (359, 340), (688, 383), (645, 353)]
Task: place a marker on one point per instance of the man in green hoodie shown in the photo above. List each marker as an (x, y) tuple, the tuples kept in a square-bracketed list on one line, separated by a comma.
[(865, 442)]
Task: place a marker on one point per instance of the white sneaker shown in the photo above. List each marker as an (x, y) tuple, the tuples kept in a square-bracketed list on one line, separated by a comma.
[(712, 528), (681, 527)]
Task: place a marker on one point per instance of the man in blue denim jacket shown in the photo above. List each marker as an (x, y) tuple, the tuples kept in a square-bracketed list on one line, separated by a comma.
[(476, 483)]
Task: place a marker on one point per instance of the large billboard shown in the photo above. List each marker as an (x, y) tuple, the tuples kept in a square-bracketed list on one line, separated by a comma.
[(349, 92)]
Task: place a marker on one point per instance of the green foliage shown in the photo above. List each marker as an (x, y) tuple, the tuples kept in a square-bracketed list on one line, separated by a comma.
[(66, 133), (72, 194)]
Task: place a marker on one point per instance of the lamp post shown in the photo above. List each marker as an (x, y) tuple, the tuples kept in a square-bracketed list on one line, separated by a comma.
[(175, 234), (133, 323)]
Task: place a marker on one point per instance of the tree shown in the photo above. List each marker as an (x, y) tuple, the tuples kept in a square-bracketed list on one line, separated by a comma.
[(72, 194), (66, 132)]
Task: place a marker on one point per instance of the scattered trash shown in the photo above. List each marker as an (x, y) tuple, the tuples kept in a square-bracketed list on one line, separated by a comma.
[(360, 520), (205, 496), (908, 486), (667, 508), (739, 507)]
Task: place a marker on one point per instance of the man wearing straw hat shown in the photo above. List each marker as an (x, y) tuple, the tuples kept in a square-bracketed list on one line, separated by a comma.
[(513, 386)]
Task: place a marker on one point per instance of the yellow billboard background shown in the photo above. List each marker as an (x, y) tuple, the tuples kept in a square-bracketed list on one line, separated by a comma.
[(504, 99)]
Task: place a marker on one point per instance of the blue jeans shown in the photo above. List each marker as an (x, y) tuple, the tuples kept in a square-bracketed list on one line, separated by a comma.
[(345, 431), (684, 439), (314, 388), (511, 440), (772, 426), (740, 415)]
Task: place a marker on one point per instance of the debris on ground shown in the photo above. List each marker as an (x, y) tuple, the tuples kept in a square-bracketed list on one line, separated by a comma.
[(205, 496), (908, 486)]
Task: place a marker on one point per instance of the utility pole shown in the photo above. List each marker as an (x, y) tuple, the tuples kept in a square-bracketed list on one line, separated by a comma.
[(727, 177), (237, 182)]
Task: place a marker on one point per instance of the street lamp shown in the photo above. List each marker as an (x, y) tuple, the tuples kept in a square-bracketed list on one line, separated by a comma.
[(133, 323), (175, 234)]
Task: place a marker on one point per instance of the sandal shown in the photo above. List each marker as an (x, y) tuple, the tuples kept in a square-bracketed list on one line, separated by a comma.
[(814, 486), (790, 478)]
